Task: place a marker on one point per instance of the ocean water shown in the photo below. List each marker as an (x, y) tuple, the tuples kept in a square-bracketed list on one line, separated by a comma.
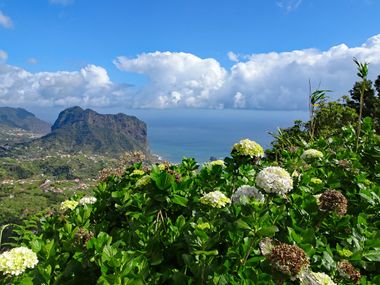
[(199, 133)]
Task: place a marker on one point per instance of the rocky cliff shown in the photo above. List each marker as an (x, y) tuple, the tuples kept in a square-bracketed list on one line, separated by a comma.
[(88, 131)]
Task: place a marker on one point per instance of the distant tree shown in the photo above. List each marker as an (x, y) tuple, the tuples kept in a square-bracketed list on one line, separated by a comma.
[(371, 100), (331, 117), (377, 85)]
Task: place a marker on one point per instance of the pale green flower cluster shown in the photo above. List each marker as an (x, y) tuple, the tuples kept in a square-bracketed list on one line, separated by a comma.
[(162, 166), (69, 204), (215, 199), (137, 172), (345, 252), (244, 193), (216, 162), (203, 226), (143, 181), (311, 153), (315, 278), (316, 180), (274, 179), (87, 200), (17, 260), (248, 148)]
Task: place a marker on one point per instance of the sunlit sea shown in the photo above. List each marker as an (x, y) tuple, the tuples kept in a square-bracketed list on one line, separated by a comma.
[(174, 134)]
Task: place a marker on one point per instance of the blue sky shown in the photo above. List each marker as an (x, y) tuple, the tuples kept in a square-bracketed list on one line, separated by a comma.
[(176, 53)]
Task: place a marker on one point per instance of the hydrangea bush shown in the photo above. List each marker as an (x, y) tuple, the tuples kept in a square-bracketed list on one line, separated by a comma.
[(311, 154), (17, 260), (274, 179), (248, 148), (187, 224)]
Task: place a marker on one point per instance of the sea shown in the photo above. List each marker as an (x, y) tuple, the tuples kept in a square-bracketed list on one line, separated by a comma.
[(203, 133)]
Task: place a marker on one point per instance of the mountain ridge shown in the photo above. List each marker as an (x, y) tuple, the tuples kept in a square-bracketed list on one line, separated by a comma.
[(19, 118), (79, 130)]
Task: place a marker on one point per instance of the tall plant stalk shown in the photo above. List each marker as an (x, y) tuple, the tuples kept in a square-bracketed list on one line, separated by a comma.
[(1, 233), (315, 99), (362, 73)]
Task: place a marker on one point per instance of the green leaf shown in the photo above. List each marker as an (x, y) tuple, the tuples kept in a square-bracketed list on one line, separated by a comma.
[(294, 236), (206, 252), (26, 281), (163, 180), (182, 201), (268, 231), (373, 255), (242, 225), (36, 245)]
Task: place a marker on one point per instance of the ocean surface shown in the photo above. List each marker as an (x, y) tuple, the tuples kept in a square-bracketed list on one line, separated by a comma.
[(200, 133)]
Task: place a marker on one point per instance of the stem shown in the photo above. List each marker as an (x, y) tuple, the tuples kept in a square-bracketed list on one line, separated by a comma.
[(362, 89), (1, 233), (248, 253)]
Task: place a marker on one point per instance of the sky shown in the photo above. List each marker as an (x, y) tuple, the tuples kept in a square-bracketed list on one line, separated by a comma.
[(249, 54)]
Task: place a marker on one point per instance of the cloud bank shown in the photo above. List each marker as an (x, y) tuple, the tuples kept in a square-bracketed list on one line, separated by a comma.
[(90, 87), (265, 81), (180, 80), (5, 21)]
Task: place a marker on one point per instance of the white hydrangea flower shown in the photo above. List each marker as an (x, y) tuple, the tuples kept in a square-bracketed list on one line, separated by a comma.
[(87, 200), (17, 260), (246, 192), (274, 179), (69, 204), (248, 148), (315, 278), (215, 199), (311, 153)]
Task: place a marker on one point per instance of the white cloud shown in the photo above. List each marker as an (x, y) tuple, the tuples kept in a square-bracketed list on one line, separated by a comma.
[(289, 5), (89, 86), (233, 56), (263, 81), (176, 79), (61, 2), (5, 21), (268, 80), (3, 56)]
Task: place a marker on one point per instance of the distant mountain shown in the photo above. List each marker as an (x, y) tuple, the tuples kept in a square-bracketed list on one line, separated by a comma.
[(18, 118), (78, 130)]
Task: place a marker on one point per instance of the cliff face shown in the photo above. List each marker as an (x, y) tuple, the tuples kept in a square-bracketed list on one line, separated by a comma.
[(86, 130), (22, 119)]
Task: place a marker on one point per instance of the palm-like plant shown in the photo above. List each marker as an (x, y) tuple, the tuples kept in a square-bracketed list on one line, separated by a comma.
[(362, 73), (315, 99)]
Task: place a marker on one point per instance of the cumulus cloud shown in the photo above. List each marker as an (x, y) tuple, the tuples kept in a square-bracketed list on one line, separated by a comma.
[(265, 81), (174, 79), (61, 2), (89, 86), (3, 56), (5, 21), (289, 5)]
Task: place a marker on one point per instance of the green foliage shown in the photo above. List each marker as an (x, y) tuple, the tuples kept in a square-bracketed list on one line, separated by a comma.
[(149, 226), (330, 118)]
